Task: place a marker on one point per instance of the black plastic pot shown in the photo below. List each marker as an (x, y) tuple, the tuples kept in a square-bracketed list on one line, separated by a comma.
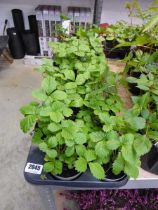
[(18, 20), (30, 42), (115, 53), (132, 86), (149, 161), (112, 177), (15, 43), (84, 180)]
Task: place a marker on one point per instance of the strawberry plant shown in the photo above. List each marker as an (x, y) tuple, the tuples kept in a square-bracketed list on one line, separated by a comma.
[(75, 118)]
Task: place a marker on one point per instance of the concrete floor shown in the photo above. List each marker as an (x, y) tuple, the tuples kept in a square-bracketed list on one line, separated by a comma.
[(16, 84)]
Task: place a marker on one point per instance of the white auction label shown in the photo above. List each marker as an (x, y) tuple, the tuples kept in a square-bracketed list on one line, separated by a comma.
[(33, 168)]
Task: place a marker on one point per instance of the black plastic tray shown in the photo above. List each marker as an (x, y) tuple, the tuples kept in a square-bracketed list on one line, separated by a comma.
[(85, 180)]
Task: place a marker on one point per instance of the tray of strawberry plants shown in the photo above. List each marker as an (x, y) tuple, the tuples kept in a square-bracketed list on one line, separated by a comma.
[(68, 178), (84, 136)]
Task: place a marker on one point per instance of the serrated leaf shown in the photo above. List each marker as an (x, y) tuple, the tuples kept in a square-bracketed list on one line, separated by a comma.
[(137, 123), (101, 150), (39, 94), (151, 23), (77, 102), (69, 142), (81, 164), (53, 127), (145, 113), (132, 79), (128, 154), (56, 116), (112, 144), (80, 79), (36, 139), (45, 111), (27, 123), (69, 151), (48, 167), (29, 109), (97, 170), (80, 138), (70, 85), (67, 112), (52, 142), (49, 84), (59, 95), (118, 164), (96, 136), (58, 166), (66, 133), (69, 74), (131, 170), (43, 146), (153, 135), (80, 150), (90, 155), (52, 153), (142, 145), (142, 87)]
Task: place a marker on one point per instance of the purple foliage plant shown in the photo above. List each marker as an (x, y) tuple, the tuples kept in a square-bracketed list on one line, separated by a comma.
[(144, 199)]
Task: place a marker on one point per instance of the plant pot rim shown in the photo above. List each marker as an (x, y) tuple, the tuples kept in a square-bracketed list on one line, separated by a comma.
[(67, 178), (115, 179)]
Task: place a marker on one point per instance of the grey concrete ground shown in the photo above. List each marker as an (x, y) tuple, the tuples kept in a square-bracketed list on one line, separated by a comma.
[(16, 84)]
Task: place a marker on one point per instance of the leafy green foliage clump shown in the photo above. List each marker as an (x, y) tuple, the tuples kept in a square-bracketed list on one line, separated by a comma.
[(76, 119)]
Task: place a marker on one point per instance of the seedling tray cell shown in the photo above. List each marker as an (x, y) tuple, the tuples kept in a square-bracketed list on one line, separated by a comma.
[(85, 180)]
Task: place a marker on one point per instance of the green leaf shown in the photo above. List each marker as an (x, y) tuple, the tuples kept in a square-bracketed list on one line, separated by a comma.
[(80, 150), (69, 151), (36, 139), (151, 23), (27, 123), (112, 144), (43, 146), (153, 135), (132, 80), (49, 84), (145, 113), (53, 127), (66, 133), (67, 112), (128, 154), (69, 142), (45, 111), (29, 109), (70, 85), (80, 79), (80, 138), (118, 164), (131, 170), (58, 166), (52, 142), (90, 155), (101, 150), (59, 95), (137, 123), (48, 167), (96, 136), (143, 87), (52, 153), (56, 116), (69, 74), (97, 170), (142, 145), (39, 94), (81, 164)]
